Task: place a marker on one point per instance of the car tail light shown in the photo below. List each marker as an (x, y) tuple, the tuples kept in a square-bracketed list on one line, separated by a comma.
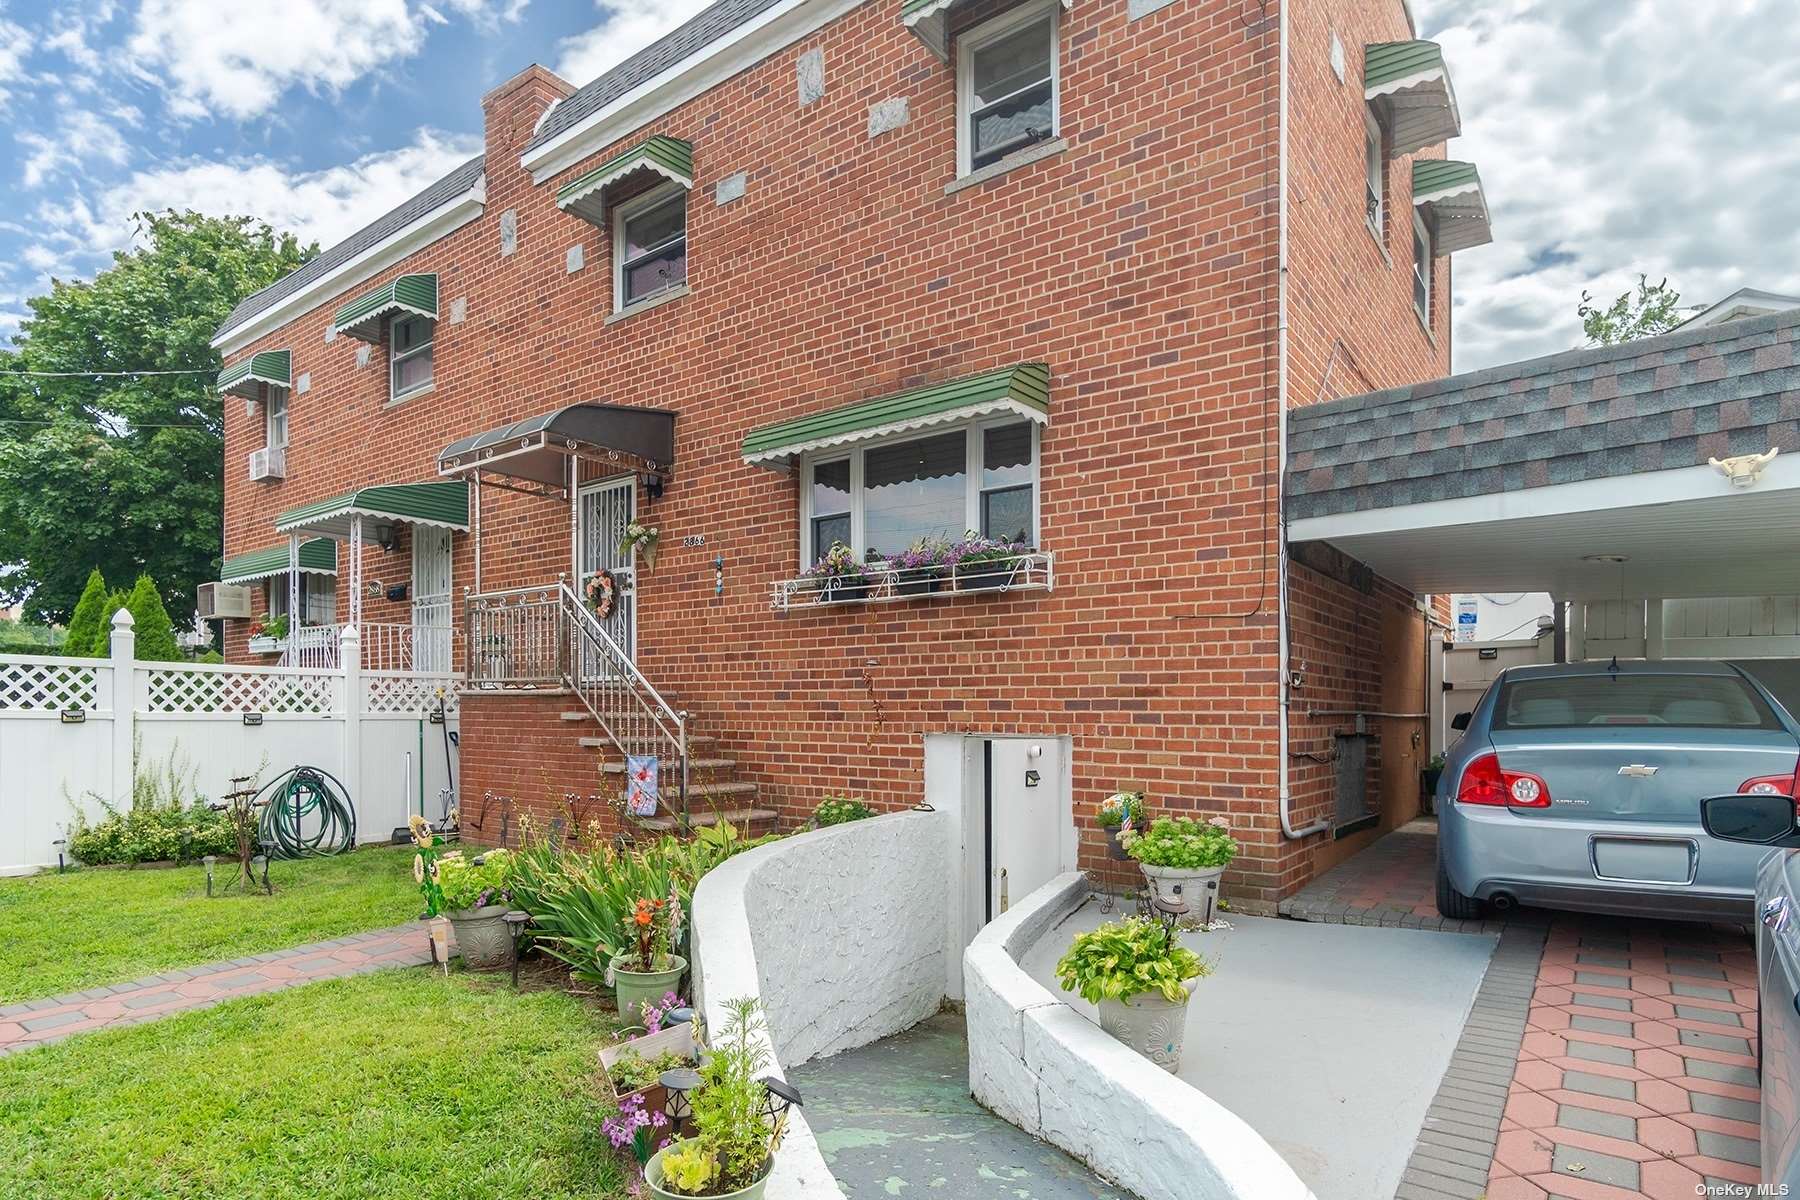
[(1485, 781), (1773, 785)]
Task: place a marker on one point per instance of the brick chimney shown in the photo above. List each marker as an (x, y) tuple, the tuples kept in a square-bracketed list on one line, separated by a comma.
[(511, 112)]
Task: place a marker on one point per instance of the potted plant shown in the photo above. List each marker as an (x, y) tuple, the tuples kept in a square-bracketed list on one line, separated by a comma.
[(838, 576), (1121, 815), (1183, 858), (981, 562), (476, 899), (633, 1070), (649, 967), (267, 633), (640, 539), (835, 810), (731, 1150), (1139, 976), (919, 569)]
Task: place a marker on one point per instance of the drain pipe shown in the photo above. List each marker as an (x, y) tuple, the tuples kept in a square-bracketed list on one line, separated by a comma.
[(1281, 454)]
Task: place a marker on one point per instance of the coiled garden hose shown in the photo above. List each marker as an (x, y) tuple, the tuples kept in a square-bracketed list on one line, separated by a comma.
[(307, 796)]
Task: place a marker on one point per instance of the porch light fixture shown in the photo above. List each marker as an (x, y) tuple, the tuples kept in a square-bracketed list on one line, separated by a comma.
[(385, 536)]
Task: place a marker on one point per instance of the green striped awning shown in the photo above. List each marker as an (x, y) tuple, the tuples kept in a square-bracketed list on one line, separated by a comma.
[(246, 378), (930, 22), (1022, 389), (1410, 90), (669, 157), (318, 556), (362, 317), (443, 505), (1449, 195)]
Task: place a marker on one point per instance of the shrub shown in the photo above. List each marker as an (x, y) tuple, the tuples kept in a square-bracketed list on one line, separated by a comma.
[(167, 820), (835, 810), (87, 624), (155, 632), (1127, 958), (1185, 843)]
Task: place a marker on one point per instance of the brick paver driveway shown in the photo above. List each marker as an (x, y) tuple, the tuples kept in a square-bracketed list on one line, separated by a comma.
[(1635, 1068)]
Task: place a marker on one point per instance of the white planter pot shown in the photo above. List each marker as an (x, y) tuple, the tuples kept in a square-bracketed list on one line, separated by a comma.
[(1199, 887), (1149, 1024)]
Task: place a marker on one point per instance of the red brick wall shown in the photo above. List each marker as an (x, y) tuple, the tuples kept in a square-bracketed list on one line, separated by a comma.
[(1139, 263)]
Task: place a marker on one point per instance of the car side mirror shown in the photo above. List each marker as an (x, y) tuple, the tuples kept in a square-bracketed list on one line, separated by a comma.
[(1759, 819), (1460, 721)]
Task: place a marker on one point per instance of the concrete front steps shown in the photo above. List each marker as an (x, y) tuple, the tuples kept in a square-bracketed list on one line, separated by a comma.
[(714, 795)]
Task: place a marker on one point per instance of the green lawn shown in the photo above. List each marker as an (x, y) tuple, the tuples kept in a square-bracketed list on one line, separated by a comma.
[(398, 1083), (65, 933)]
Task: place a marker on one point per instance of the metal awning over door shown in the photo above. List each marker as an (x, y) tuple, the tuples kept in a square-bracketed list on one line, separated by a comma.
[(537, 450)]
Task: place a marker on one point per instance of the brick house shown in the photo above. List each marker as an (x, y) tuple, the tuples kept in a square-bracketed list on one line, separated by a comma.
[(808, 271)]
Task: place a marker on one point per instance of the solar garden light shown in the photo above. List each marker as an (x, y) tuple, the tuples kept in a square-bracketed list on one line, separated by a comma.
[(678, 1082), (778, 1096), (515, 925), (209, 860)]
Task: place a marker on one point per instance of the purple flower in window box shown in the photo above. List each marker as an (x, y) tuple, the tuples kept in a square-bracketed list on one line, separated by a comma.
[(839, 576), (919, 569), (982, 562)]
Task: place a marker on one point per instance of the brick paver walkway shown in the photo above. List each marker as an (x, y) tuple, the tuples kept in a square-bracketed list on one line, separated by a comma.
[(1628, 1068), (36, 1022)]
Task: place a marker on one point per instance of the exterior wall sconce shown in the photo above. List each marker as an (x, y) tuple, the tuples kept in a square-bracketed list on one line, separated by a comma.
[(653, 486), (386, 537), (73, 716), (253, 719)]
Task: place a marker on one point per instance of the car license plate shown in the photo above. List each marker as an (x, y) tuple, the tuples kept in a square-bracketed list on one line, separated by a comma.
[(1644, 860)]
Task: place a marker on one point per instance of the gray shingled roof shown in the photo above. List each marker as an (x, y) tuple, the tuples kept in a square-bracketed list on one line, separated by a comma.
[(1650, 405), (710, 24), (450, 186)]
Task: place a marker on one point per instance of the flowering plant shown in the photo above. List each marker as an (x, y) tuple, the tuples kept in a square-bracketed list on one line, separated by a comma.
[(1121, 810), (632, 1126), (1184, 842), (835, 810), (926, 552), (977, 549), (640, 539), (656, 1012), (650, 929), (840, 563), (269, 626), (425, 863), (474, 883)]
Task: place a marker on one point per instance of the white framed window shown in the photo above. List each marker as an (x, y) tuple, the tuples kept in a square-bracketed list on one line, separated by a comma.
[(881, 498), (318, 598), (1007, 85), (409, 355), (275, 417), (1421, 265), (649, 245), (1374, 176)]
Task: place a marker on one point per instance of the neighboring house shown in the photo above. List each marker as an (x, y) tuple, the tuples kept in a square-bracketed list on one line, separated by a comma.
[(1743, 303), (808, 271)]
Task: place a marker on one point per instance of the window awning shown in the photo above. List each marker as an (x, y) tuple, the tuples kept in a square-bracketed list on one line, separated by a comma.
[(362, 317), (930, 22), (441, 505), (1455, 209), (1407, 84), (317, 557), (669, 157), (1023, 389), (538, 448), (246, 378)]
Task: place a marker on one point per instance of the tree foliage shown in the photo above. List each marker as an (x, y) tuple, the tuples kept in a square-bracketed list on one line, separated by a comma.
[(125, 471), (1645, 311)]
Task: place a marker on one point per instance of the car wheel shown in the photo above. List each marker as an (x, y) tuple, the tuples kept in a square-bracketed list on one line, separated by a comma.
[(1452, 903)]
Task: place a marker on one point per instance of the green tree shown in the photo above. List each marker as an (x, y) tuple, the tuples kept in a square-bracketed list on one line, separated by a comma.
[(155, 632), (89, 616), (1645, 311), (124, 471)]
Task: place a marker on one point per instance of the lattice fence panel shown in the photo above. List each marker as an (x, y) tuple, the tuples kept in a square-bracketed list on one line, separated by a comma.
[(388, 693), (227, 691), (48, 687)]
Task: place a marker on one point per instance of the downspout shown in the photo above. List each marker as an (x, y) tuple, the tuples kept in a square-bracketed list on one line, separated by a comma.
[(1281, 455)]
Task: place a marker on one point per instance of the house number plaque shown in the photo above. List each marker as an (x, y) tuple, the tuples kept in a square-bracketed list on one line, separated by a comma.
[(694, 539)]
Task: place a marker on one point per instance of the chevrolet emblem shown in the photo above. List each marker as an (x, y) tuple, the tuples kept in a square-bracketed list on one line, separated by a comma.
[(1637, 771)]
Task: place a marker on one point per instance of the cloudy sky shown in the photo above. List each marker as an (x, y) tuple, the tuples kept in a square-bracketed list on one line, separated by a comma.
[(1634, 135)]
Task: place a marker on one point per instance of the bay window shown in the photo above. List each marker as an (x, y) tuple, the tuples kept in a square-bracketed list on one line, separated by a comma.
[(885, 497)]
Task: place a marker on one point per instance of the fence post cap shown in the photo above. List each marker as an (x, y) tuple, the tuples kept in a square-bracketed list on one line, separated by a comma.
[(349, 633), (123, 619)]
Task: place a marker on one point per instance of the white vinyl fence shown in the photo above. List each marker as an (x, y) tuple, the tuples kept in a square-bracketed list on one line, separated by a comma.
[(74, 730)]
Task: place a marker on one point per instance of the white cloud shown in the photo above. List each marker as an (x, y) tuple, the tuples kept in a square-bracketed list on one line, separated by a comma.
[(15, 47), (1612, 139), (81, 139), (626, 26)]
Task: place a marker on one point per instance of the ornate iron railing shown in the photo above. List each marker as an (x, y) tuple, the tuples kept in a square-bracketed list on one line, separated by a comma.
[(883, 583), (546, 636), (428, 649)]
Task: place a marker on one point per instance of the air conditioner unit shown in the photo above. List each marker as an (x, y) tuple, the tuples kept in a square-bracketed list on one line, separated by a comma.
[(268, 463), (214, 600)]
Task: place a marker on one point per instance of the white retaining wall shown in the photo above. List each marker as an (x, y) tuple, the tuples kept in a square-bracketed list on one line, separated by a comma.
[(1043, 1066), (370, 729), (841, 934)]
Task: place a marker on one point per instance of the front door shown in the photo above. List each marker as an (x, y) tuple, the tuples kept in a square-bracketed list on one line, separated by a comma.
[(606, 509), (1029, 824), (431, 600)]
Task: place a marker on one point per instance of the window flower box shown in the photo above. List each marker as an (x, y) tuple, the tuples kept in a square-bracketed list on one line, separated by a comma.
[(264, 643), (882, 583)]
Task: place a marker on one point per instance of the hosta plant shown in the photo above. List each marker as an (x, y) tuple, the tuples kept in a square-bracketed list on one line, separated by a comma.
[(1131, 957), (1185, 843)]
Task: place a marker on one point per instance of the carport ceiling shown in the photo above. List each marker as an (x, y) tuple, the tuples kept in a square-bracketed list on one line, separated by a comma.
[(1537, 475)]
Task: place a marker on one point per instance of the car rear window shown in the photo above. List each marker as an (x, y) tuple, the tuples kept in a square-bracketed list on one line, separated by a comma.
[(1629, 698)]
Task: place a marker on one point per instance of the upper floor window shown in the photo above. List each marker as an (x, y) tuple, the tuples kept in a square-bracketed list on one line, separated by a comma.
[(409, 344), (1374, 175), (1006, 85), (650, 245), (887, 497), (275, 417), (1421, 266)]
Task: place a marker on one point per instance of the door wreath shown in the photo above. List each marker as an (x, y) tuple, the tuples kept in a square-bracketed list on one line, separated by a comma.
[(602, 593)]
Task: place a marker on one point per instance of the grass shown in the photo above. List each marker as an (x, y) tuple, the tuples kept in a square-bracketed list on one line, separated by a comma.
[(396, 1083), (65, 933)]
